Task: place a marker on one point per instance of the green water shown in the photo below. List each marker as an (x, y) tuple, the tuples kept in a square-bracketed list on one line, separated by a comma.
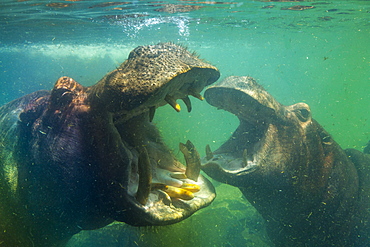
[(320, 56)]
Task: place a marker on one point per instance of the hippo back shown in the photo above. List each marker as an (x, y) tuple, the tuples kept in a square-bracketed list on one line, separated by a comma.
[(44, 197)]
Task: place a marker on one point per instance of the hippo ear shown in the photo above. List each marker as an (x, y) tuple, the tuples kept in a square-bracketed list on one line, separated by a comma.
[(65, 89), (302, 111)]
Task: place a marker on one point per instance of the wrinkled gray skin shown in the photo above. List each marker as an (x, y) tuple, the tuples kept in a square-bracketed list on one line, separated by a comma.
[(309, 190), (76, 158)]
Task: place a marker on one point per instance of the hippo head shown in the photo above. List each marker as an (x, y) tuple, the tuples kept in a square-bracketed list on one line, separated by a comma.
[(154, 188), (105, 159), (283, 161), (261, 142)]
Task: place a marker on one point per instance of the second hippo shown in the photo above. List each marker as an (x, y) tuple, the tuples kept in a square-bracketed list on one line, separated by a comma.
[(308, 189)]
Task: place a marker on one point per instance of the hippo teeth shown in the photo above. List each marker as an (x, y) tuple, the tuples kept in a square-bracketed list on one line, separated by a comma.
[(231, 163), (209, 153), (192, 159), (174, 192), (145, 177), (172, 185), (187, 102), (245, 157), (196, 95), (172, 102), (151, 113)]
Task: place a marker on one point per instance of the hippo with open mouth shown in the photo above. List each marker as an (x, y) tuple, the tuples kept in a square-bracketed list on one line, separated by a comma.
[(309, 191), (77, 157)]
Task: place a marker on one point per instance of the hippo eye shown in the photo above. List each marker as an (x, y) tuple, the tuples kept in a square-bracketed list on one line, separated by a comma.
[(303, 114)]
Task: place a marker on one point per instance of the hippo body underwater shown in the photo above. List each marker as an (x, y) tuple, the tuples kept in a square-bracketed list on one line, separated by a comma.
[(77, 158), (309, 191)]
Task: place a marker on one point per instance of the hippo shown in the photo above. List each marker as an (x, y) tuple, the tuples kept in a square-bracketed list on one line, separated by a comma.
[(78, 158), (309, 191)]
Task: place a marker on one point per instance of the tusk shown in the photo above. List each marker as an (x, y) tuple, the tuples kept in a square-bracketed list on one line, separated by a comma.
[(190, 187), (172, 102), (151, 113), (145, 177), (196, 95), (174, 192), (192, 159), (178, 175), (187, 102), (209, 153), (245, 158)]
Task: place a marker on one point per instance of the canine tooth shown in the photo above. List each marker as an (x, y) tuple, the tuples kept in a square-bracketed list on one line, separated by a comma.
[(245, 157), (192, 159), (179, 193), (174, 192), (187, 102), (178, 175), (196, 95), (172, 102), (151, 113), (190, 187), (145, 177), (209, 153)]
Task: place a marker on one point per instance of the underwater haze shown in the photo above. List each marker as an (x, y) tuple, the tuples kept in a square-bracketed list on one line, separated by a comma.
[(317, 52)]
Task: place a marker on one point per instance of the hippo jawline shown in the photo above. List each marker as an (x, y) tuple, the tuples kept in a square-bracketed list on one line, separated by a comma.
[(246, 148)]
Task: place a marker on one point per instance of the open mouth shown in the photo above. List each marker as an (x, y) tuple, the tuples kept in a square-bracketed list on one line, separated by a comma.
[(246, 148), (159, 189)]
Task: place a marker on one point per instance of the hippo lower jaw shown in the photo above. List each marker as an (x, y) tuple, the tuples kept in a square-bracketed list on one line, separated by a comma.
[(160, 189), (159, 186), (224, 165)]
